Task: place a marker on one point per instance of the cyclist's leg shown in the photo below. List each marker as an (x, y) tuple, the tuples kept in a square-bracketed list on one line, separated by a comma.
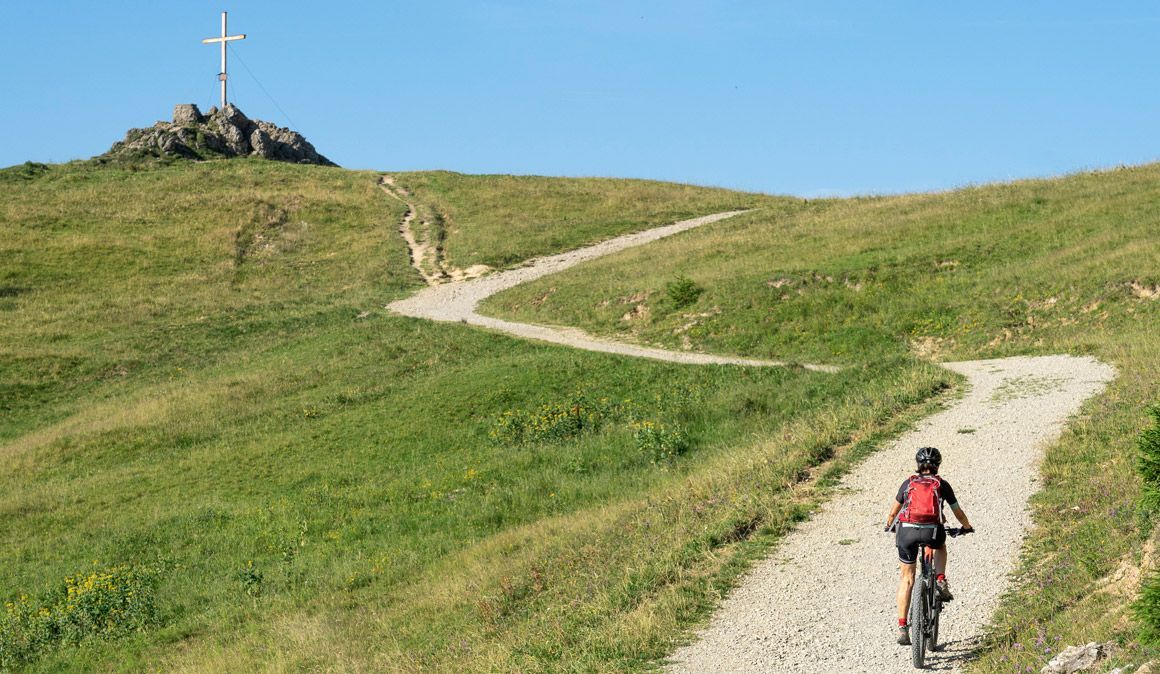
[(905, 582), (907, 556), (940, 551)]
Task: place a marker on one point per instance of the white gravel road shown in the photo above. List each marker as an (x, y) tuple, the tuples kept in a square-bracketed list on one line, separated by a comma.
[(458, 301), (824, 600)]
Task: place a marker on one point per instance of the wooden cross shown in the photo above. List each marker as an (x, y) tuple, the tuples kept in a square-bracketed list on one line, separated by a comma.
[(223, 40)]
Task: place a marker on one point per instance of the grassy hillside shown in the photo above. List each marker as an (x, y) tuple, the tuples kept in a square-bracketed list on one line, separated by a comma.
[(222, 454), (1069, 265)]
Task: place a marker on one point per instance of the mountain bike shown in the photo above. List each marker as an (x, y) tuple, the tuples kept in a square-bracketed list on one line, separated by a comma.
[(925, 605)]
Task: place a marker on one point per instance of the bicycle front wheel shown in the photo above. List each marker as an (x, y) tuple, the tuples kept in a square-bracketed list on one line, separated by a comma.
[(918, 619)]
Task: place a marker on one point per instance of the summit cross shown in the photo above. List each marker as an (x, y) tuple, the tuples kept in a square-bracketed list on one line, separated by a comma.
[(223, 40)]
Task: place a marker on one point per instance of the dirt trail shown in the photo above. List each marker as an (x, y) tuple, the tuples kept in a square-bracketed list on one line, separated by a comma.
[(426, 255), (420, 250), (457, 301), (824, 600)]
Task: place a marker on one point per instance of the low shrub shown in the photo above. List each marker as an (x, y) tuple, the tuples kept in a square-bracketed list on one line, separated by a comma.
[(683, 291), (660, 442), (251, 579), (108, 603), (1148, 464), (25, 630), (1147, 607), (102, 605), (29, 170), (553, 421)]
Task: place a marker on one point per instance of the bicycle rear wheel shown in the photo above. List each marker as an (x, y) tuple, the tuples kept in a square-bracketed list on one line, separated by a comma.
[(918, 618)]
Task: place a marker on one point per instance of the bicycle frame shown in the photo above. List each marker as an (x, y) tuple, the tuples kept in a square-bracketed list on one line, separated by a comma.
[(925, 604)]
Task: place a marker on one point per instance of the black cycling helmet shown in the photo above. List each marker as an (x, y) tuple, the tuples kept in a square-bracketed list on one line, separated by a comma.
[(928, 456)]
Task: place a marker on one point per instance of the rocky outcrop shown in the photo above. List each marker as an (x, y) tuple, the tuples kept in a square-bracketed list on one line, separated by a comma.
[(218, 133), (186, 114), (1076, 659)]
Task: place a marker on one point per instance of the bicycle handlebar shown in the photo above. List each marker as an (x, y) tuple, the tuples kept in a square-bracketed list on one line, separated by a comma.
[(951, 531)]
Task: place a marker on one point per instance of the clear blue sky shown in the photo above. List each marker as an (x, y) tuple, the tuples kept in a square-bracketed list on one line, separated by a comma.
[(804, 98)]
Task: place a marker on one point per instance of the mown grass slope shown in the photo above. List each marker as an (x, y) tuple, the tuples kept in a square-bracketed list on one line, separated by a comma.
[(1070, 265), (221, 453)]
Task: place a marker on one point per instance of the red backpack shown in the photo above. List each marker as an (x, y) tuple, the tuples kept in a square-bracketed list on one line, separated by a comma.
[(923, 501)]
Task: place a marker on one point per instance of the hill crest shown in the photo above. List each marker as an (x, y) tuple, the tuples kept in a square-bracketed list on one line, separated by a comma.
[(219, 133)]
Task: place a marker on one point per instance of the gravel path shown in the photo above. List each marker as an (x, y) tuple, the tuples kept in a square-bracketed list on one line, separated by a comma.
[(840, 566), (458, 301)]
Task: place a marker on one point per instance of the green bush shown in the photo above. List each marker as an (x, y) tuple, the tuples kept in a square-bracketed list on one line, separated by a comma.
[(660, 442), (1147, 607), (683, 291), (1147, 611), (553, 421), (107, 603), (1149, 460), (251, 579), (102, 605), (25, 630)]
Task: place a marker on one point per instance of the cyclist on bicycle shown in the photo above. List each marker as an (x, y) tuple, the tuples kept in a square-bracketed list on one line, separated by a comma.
[(917, 510)]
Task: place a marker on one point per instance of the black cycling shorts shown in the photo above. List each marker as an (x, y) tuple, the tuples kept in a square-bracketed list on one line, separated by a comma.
[(908, 538)]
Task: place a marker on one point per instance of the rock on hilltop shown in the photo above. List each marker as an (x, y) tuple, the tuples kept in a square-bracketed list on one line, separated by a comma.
[(220, 133)]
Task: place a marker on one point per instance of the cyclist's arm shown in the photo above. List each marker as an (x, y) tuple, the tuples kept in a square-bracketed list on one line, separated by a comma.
[(961, 516), (893, 514)]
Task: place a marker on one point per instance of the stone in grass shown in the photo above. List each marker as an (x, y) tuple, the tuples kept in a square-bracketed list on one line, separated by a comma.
[(1076, 658)]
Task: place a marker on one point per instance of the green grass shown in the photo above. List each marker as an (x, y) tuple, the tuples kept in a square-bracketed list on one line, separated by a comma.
[(201, 385), (198, 380)]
